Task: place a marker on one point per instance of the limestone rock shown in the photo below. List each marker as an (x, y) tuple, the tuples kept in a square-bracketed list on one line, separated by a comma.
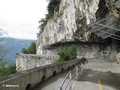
[(114, 6), (69, 23)]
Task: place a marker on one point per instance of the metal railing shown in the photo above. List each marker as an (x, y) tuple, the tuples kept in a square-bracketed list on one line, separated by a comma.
[(72, 75)]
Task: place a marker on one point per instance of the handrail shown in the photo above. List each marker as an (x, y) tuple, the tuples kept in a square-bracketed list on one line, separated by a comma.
[(71, 76), (74, 75), (64, 81)]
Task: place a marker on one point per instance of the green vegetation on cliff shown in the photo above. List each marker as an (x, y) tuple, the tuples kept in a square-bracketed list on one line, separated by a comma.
[(67, 54), (30, 50), (53, 5)]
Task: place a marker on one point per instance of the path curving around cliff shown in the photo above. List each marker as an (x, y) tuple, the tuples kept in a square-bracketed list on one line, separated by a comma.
[(103, 75)]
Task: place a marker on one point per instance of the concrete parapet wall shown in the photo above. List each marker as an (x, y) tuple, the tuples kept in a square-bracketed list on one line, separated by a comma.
[(29, 61), (30, 78)]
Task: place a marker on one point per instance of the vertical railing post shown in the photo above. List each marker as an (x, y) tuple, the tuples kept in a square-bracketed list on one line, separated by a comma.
[(60, 88), (76, 70), (89, 63), (70, 78), (85, 65), (81, 68)]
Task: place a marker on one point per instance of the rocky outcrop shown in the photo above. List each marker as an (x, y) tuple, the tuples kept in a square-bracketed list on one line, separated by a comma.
[(70, 22), (114, 7)]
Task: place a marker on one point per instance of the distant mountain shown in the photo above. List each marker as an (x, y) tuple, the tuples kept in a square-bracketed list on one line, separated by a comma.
[(3, 32), (14, 46)]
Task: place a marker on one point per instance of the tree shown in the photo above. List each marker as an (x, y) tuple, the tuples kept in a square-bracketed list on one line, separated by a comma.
[(24, 51), (6, 67), (72, 52), (30, 50), (7, 70), (67, 54), (63, 54)]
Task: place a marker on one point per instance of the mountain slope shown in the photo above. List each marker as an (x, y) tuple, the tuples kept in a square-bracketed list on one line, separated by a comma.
[(14, 46)]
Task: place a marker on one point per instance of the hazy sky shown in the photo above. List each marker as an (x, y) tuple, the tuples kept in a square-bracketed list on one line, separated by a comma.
[(19, 18)]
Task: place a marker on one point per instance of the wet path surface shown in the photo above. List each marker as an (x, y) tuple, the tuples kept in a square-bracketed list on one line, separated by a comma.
[(52, 83), (102, 75)]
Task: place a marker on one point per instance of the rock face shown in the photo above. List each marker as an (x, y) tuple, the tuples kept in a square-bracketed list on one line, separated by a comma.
[(70, 23), (89, 50), (114, 7)]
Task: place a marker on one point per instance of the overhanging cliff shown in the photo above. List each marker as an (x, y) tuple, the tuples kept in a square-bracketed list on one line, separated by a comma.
[(69, 24)]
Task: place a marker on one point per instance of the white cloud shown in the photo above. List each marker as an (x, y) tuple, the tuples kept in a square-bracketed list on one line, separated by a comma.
[(19, 18)]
